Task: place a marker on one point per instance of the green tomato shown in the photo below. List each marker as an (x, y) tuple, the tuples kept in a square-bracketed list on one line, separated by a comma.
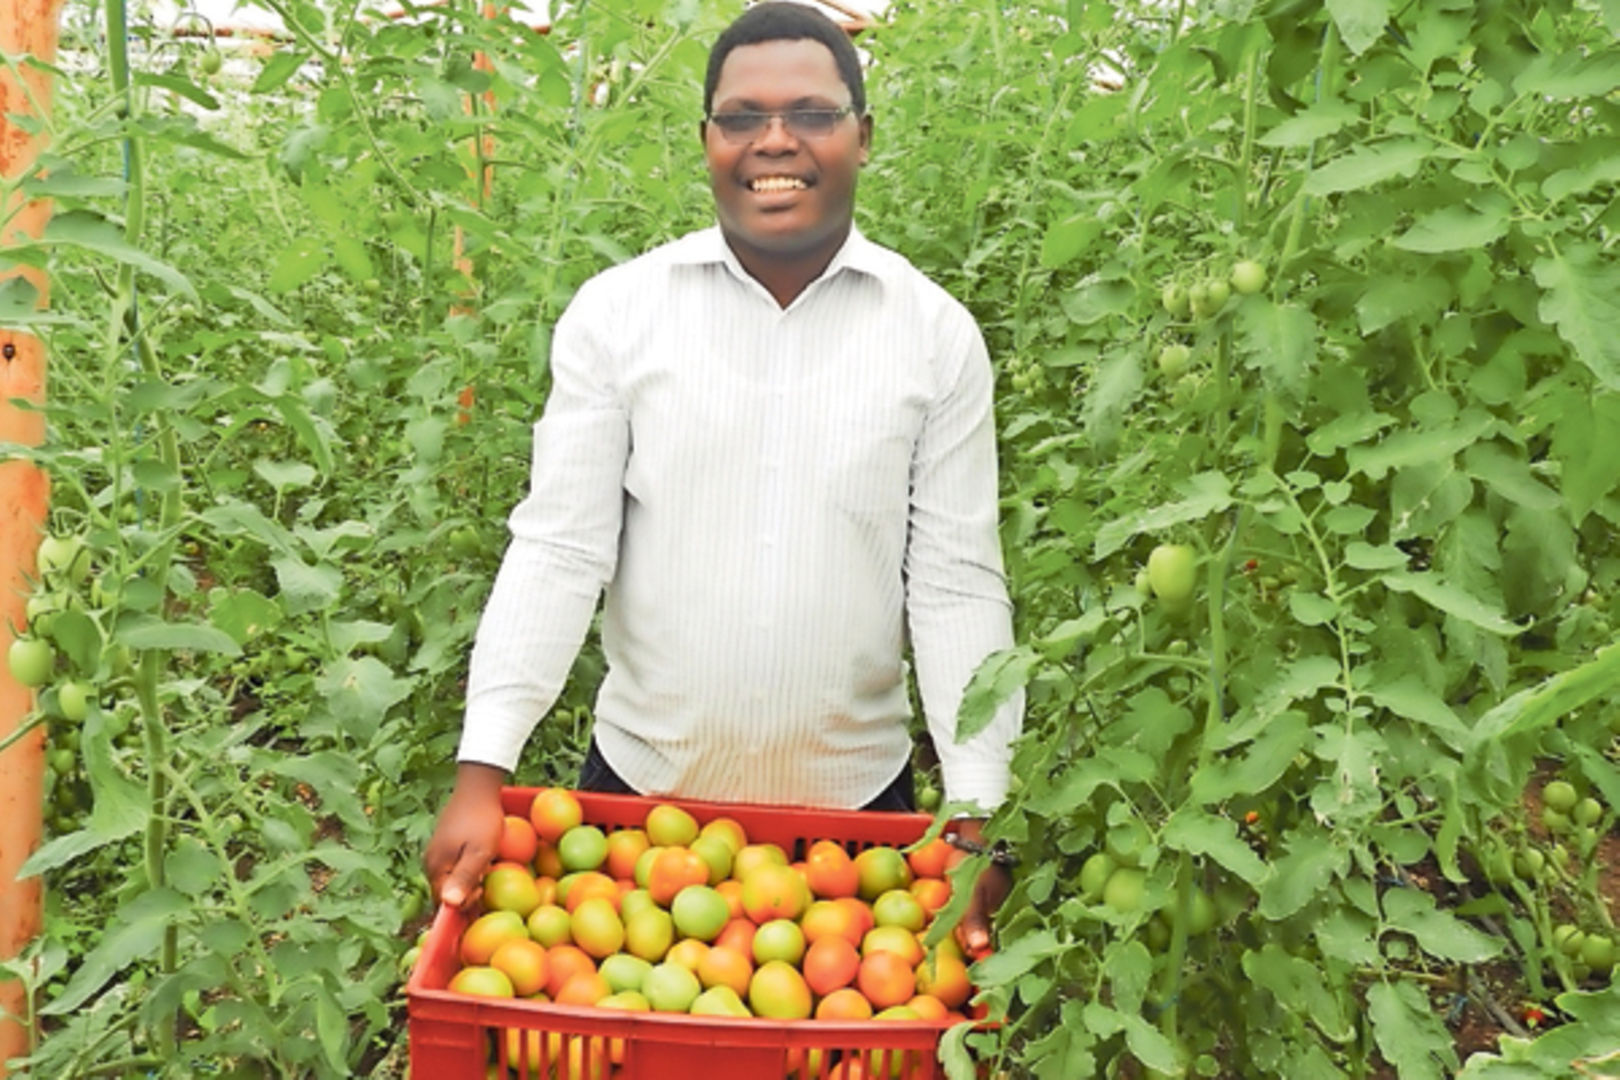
[(1172, 572), (1248, 277), (1560, 795), (1218, 292), (31, 661), (1529, 863), (1555, 820), (210, 62), (1094, 875), (1173, 360), (1124, 889), (1568, 939), (928, 798), (1158, 933), (1144, 586), (1587, 812), (61, 761), (73, 699), (1174, 298), (1200, 914), (1597, 953), (64, 557)]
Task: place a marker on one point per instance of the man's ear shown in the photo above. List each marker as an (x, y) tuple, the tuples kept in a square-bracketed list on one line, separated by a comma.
[(866, 137), (703, 140)]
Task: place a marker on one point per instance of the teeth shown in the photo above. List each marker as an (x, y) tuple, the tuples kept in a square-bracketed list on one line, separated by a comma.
[(777, 183)]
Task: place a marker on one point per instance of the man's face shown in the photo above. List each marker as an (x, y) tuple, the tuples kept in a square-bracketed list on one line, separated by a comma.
[(781, 195)]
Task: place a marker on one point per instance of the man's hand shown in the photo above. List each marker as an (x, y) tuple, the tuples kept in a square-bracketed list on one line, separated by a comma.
[(991, 888), (467, 835)]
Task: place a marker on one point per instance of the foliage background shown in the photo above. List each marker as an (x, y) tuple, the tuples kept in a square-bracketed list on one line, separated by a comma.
[(288, 427)]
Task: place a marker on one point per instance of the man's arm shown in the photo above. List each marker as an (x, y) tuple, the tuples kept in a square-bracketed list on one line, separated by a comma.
[(564, 546), (956, 597)]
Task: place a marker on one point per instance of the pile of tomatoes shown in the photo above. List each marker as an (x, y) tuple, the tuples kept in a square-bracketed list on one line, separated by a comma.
[(679, 917)]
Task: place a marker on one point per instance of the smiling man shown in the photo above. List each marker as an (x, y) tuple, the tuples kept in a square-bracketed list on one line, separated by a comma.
[(770, 445)]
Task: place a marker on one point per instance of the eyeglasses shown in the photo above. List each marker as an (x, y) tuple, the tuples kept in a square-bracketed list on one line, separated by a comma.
[(745, 127)]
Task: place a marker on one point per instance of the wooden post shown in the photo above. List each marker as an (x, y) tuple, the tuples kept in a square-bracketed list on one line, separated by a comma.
[(26, 27)]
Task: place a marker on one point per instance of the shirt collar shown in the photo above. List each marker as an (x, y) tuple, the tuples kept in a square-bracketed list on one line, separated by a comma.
[(708, 246)]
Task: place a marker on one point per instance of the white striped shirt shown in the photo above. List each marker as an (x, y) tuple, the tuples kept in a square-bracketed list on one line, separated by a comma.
[(772, 498)]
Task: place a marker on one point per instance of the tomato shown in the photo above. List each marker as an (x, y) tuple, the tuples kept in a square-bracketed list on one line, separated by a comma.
[(210, 62), (1598, 953), (1568, 939), (64, 556), (1560, 795), (1173, 360), (1144, 586), (1556, 820), (1529, 863), (1218, 292), (1174, 298), (928, 798), (31, 661), (73, 699), (1248, 277), (1124, 889), (1094, 874), (1172, 572), (1587, 812)]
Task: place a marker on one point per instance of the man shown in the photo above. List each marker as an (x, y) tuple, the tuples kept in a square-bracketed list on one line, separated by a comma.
[(771, 442)]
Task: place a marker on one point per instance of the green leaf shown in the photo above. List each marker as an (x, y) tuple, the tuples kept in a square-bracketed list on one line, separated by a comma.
[(1299, 987), (1201, 833), (1013, 960), (1509, 476), (1321, 120), (1205, 494), (1420, 447), (1093, 300), (1068, 239), (285, 475), (191, 867), (1544, 705), (1115, 385), (1367, 166), (1409, 1035), (1440, 933), (305, 587), (360, 692), (149, 632), (1347, 429), (1584, 421), (1310, 865), (136, 932), (1277, 340), (1259, 767), (94, 233), (1451, 599), (1582, 299), (277, 70), (1570, 75), (996, 680), (1601, 172), (242, 613), (1360, 555), (297, 263), (176, 84), (1455, 228), (1298, 680), (1129, 969), (1311, 609), (1411, 698), (1360, 22)]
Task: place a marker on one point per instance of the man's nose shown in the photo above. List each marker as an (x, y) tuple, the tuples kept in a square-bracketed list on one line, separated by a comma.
[(776, 134)]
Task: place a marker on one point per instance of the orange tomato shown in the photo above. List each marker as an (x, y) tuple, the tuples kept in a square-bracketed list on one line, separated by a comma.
[(481, 981), (553, 812), (738, 934), (547, 863), (563, 962), (588, 885), (519, 842), (773, 891), (670, 826), (928, 1007), (845, 1004), (928, 860), (893, 939), (932, 893), (829, 871), (524, 962), (885, 979), (729, 830), (487, 933), (830, 964), (860, 914), (946, 978), (585, 988), (751, 857), (688, 953), (673, 869), (731, 889), (624, 848), (725, 966)]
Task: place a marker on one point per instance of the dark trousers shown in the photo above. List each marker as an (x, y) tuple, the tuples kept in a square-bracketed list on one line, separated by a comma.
[(595, 774)]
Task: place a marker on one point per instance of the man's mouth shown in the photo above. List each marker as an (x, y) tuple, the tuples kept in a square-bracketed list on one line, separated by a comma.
[(768, 185)]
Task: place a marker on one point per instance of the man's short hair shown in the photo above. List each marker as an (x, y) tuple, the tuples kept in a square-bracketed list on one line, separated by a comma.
[(784, 20)]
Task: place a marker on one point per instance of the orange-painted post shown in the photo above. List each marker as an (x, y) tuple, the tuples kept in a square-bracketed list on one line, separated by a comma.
[(26, 27)]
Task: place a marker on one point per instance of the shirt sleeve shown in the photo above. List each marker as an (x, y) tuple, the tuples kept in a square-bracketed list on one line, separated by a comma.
[(564, 545), (957, 605)]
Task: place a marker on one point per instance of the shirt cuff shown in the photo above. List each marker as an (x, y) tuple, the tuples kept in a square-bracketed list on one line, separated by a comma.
[(979, 782)]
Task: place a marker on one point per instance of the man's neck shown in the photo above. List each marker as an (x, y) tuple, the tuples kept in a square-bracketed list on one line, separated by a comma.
[(786, 276)]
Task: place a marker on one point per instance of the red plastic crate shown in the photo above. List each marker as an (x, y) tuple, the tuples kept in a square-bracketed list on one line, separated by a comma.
[(452, 1035)]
